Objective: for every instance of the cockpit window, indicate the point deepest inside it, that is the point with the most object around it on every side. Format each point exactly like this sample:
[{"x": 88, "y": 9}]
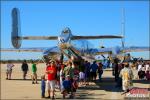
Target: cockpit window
[{"x": 66, "y": 31}]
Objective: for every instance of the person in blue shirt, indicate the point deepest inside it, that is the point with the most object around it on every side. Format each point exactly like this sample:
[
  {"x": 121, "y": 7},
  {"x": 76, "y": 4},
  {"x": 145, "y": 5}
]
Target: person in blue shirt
[
  {"x": 93, "y": 70},
  {"x": 43, "y": 86}
]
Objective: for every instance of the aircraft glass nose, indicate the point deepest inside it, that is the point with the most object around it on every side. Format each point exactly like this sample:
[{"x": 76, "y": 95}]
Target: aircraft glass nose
[
  {"x": 64, "y": 38},
  {"x": 66, "y": 31}
]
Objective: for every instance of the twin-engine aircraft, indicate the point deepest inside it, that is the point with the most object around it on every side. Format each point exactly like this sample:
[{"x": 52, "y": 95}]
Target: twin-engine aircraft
[{"x": 66, "y": 44}]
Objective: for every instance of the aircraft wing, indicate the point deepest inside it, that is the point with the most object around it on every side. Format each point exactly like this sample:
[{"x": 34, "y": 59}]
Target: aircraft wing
[
  {"x": 97, "y": 51},
  {"x": 22, "y": 50},
  {"x": 119, "y": 50},
  {"x": 136, "y": 49},
  {"x": 96, "y": 37},
  {"x": 45, "y": 50}
]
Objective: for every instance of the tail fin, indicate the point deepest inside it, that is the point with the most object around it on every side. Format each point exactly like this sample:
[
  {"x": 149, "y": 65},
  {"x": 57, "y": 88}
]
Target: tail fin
[{"x": 16, "y": 32}]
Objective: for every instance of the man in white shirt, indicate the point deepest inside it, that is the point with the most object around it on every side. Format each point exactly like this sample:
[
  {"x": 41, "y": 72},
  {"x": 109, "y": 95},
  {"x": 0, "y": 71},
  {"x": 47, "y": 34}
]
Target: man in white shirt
[{"x": 9, "y": 70}]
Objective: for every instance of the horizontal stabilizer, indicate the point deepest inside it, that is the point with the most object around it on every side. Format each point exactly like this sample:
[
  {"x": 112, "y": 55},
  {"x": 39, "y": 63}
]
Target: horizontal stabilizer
[{"x": 39, "y": 38}]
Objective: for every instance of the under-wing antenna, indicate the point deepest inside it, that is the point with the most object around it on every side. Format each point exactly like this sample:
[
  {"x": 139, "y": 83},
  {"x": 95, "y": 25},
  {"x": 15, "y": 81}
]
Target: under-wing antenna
[{"x": 123, "y": 27}]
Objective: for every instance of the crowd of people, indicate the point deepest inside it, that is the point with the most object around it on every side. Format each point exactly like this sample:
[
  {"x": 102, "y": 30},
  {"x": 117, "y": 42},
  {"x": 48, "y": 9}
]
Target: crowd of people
[
  {"x": 68, "y": 76},
  {"x": 125, "y": 72}
]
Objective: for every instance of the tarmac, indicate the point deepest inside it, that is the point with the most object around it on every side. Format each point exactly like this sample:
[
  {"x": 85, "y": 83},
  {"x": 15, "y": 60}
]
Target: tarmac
[{"x": 17, "y": 88}]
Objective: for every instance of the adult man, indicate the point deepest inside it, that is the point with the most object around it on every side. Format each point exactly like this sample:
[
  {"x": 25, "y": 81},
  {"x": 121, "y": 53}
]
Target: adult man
[
  {"x": 93, "y": 70},
  {"x": 127, "y": 76},
  {"x": 51, "y": 78},
  {"x": 24, "y": 68}
]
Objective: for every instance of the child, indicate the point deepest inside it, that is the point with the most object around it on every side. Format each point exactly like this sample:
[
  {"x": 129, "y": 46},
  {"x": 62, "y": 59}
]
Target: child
[
  {"x": 74, "y": 86},
  {"x": 67, "y": 86},
  {"x": 43, "y": 86},
  {"x": 82, "y": 78}
]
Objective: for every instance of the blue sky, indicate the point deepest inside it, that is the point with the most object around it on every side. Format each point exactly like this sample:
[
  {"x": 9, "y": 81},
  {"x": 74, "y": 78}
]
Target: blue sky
[{"x": 43, "y": 18}]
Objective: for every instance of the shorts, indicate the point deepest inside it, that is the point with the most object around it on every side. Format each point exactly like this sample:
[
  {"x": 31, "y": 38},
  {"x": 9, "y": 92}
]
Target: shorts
[
  {"x": 34, "y": 75},
  {"x": 50, "y": 85},
  {"x": 24, "y": 72},
  {"x": 67, "y": 90},
  {"x": 9, "y": 71}
]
